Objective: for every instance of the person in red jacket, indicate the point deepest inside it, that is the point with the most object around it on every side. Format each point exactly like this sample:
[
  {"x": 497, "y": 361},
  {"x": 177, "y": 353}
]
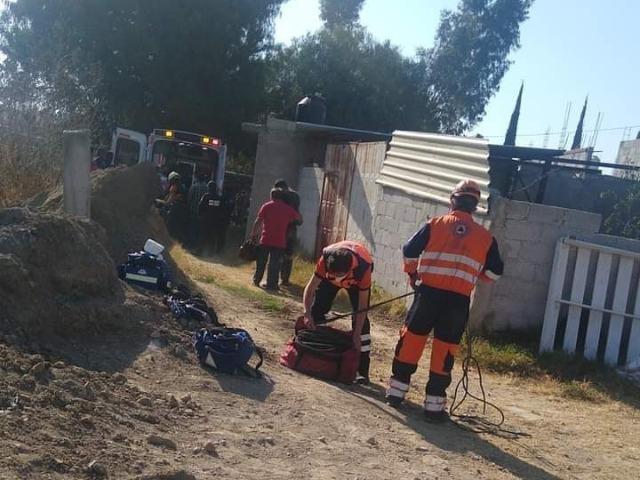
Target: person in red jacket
[
  {"x": 444, "y": 260},
  {"x": 345, "y": 265},
  {"x": 273, "y": 220}
]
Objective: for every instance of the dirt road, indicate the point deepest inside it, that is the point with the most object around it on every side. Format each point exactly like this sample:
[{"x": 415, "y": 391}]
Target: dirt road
[{"x": 287, "y": 425}]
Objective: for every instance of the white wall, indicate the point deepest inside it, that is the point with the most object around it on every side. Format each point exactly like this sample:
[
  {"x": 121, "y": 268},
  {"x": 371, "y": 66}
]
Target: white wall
[{"x": 310, "y": 190}]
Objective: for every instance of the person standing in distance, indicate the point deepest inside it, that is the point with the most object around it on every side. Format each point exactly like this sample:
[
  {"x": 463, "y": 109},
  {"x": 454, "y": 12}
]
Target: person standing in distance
[
  {"x": 271, "y": 226},
  {"x": 291, "y": 198}
]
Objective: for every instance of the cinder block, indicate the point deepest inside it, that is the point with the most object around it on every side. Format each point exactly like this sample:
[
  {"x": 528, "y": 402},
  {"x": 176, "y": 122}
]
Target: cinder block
[
  {"x": 520, "y": 270},
  {"x": 579, "y": 220},
  {"x": 537, "y": 253},
  {"x": 546, "y": 214},
  {"x": 543, "y": 274},
  {"x": 409, "y": 214},
  {"x": 514, "y": 210},
  {"x": 551, "y": 234},
  {"x": 521, "y": 230}
]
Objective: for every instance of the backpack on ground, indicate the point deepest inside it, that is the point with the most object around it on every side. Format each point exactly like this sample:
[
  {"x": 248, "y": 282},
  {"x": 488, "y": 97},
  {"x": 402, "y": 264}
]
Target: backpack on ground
[
  {"x": 191, "y": 307},
  {"x": 325, "y": 352},
  {"x": 227, "y": 350},
  {"x": 146, "y": 270}
]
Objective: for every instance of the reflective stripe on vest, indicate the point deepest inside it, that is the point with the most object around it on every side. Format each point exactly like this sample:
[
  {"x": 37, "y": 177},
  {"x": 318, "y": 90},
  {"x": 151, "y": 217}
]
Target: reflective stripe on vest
[{"x": 454, "y": 256}]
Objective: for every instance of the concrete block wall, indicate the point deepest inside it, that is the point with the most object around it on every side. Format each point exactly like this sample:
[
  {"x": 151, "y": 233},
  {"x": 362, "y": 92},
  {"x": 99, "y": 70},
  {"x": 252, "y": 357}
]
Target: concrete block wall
[
  {"x": 397, "y": 216},
  {"x": 527, "y": 234},
  {"x": 281, "y": 153},
  {"x": 310, "y": 189}
]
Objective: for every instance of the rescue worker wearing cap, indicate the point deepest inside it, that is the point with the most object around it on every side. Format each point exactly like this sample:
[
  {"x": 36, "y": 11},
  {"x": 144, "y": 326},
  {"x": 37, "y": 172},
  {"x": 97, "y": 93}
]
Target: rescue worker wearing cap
[
  {"x": 444, "y": 260},
  {"x": 345, "y": 265},
  {"x": 174, "y": 206}
]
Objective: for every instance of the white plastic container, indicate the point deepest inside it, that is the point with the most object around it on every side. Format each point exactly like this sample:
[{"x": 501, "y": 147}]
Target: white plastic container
[{"x": 152, "y": 247}]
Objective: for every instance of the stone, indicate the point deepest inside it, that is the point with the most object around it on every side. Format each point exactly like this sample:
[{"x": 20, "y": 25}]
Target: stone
[
  {"x": 372, "y": 441},
  {"x": 27, "y": 382},
  {"x": 180, "y": 352},
  {"x": 158, "y": 441},
  {"x": 119, "y": 378},
  {"x": 119, "y": 438},
  {"x": 38, "y": 369},
  {"x": 211, "y": 449},
  {"x": 322, "y": 439},
  {"x": 89, "y": 392},
  {"x": 97, "y": 469},
  {"x": 267, "y": 441},
  {"x": 422, "y": 449},
  {"x": 147, "y": 417},
  {"x": 185, "y": 398},
  {"x": 87, "y": 421},
  {"x": 60, "y": 364},
  {"x": 172, "y": 475},
  {"x": 173, "y": 402},
  {"x": 145, "y": 401}
]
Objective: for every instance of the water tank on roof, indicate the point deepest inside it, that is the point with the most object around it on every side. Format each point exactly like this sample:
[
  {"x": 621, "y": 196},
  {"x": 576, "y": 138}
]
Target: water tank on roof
[{"x": 311, "y": 109}]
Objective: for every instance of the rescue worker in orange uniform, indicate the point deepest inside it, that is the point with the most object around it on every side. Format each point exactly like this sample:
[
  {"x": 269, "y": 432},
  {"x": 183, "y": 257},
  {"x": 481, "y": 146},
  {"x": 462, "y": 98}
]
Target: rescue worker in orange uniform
[
  {"x": 444, "y": 260},
  {"x": 345, "y": 265}
]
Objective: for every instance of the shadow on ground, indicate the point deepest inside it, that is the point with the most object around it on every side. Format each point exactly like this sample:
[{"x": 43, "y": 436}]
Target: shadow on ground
[{"x": 449, "y": 436}]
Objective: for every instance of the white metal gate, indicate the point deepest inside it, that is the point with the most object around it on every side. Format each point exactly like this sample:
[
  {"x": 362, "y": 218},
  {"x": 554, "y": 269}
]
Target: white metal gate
[{"x": 593, "y": 305}]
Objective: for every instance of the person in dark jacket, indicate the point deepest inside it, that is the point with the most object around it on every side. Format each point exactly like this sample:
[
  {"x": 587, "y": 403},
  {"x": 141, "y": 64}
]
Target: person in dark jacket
[
  {"x": 214, "y": 218},
  {"x": 291, "y": 198}
]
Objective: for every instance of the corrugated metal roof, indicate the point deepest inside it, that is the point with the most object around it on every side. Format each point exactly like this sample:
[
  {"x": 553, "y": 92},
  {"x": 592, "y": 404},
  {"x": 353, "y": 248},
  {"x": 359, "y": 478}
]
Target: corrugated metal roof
[{"x": 429, "y": 165}]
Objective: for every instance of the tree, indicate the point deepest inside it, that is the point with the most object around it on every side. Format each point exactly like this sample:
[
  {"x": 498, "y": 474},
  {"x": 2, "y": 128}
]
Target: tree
[
  {"x": 366, "y": 84},
  {"x": 512, "y": 131},
  {"x": 577, "y": 138},
  {"x": 369, "y": 84},
  {"x": 623, "y": 216},
  {"x": 340, "y": 13},
  {"x": 195, "y": 65},
  {"x": 470, "y": 57}
]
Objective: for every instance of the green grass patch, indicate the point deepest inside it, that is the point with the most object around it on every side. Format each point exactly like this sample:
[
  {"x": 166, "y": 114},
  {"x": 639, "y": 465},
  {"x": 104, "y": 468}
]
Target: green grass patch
[
  {"x": 578, "y": 378},
  {"x": 263, "y": 300}
]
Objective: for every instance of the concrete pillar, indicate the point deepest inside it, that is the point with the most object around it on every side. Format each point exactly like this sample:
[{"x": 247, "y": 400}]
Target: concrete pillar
[{"x": 77, "y": 164}]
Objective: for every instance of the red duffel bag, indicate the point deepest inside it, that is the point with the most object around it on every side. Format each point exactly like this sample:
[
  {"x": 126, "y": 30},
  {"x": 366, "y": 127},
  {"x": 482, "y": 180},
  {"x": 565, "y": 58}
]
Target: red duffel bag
[{"x": 325, "y": 352}]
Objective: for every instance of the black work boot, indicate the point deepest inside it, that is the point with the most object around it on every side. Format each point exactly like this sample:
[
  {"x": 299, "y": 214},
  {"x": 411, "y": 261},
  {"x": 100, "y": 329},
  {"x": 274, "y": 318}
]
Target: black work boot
[
  {"x": 393, "y": 401},
  {"x": 436, "y": 417}
]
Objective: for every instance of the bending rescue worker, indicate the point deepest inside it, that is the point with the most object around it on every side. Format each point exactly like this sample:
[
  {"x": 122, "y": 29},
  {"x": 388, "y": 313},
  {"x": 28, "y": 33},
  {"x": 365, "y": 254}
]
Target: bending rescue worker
[
  {"x": 444, "y": 260},
  {"x": 345, "y": 265}
]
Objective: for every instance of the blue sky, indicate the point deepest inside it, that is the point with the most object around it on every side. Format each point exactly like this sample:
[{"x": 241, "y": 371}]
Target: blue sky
[{"x": 570, "y": 48}]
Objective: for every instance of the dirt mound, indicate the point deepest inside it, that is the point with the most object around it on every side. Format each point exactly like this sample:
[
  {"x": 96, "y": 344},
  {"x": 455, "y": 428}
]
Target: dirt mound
[
  {"x": 121, "y": 199},
  {"x": 85, "y": 419},
  {"x": 57, "y": 278}
]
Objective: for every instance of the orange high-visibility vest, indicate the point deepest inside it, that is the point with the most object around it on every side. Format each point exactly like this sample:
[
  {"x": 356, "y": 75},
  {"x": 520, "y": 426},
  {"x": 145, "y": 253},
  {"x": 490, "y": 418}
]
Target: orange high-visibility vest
[
  {"x": 455, "y": 253},
  {"x": 361, "y": 265}
]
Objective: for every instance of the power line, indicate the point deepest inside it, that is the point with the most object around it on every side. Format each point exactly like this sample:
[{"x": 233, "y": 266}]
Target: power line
[{"x": 630, "y": 127}]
